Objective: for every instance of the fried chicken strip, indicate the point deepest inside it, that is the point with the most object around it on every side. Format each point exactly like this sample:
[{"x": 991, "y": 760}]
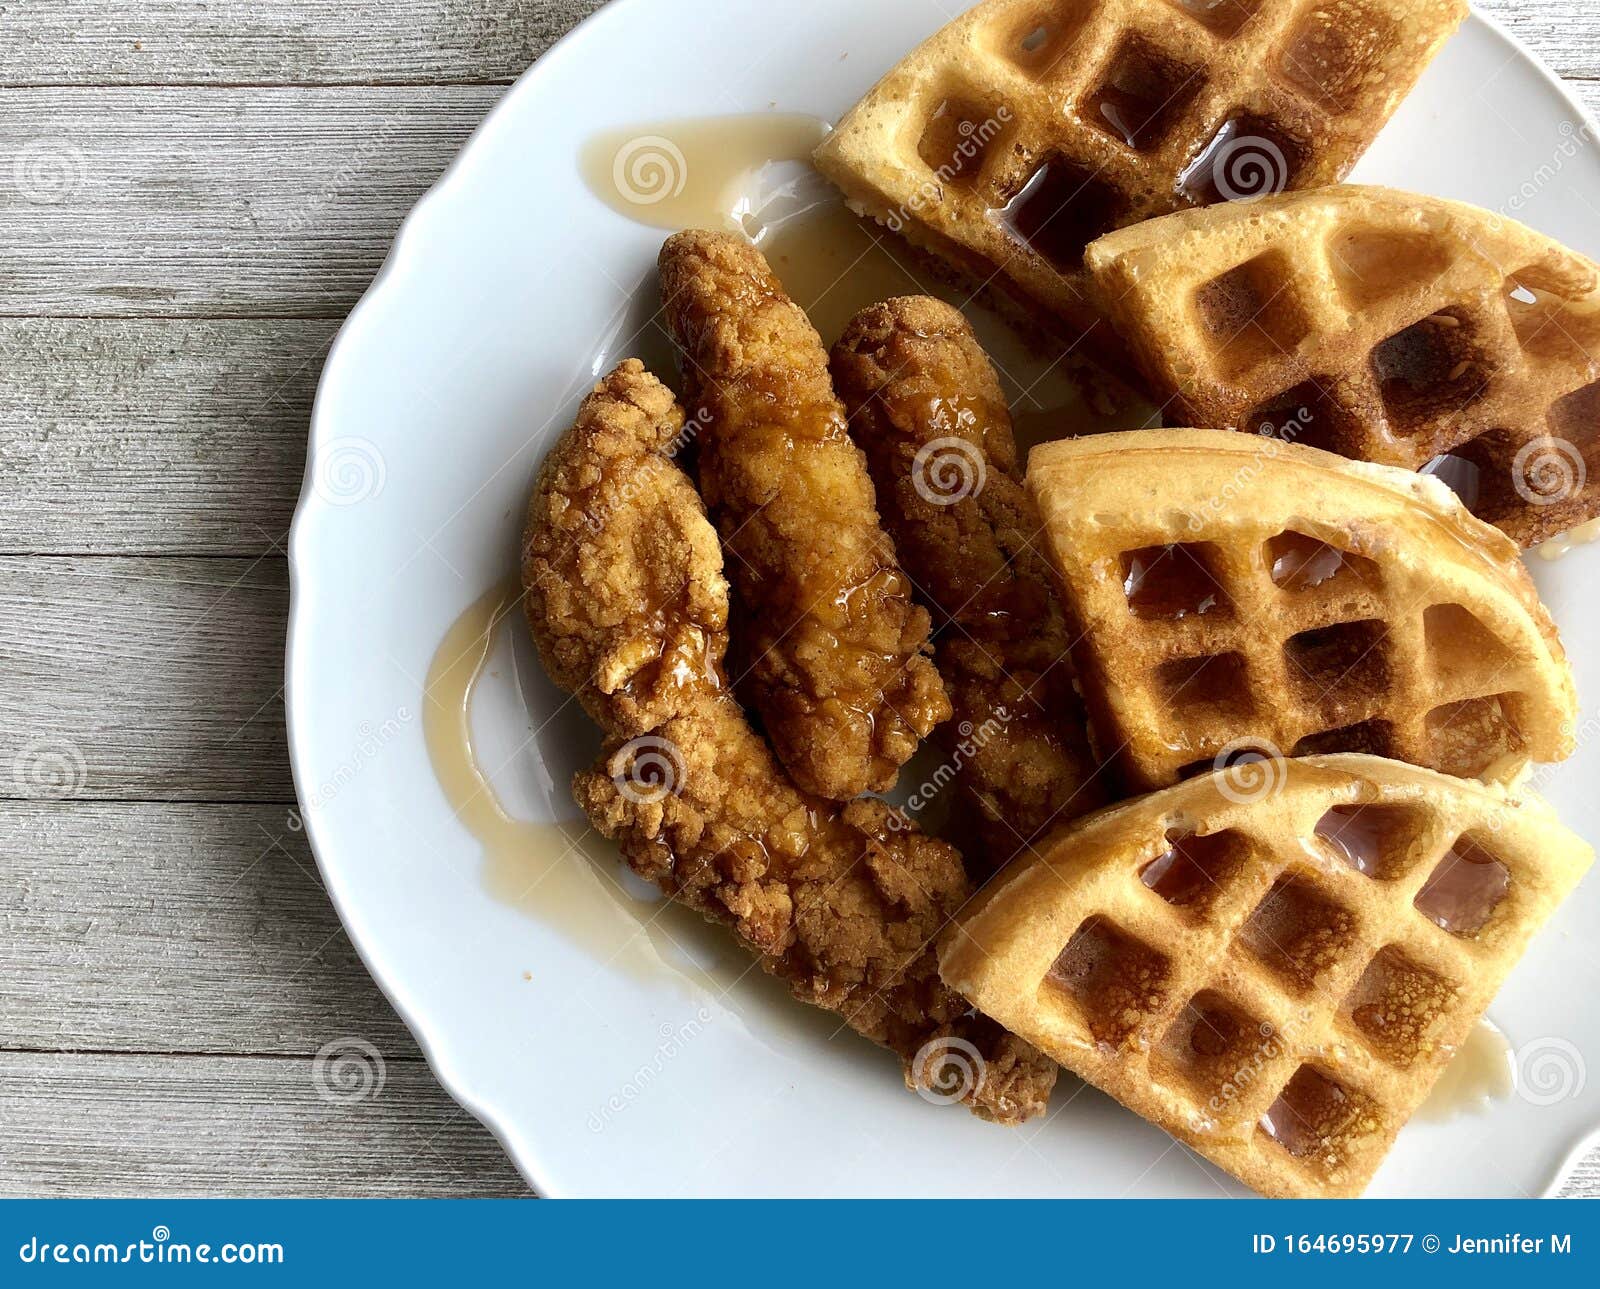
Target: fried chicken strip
[
  {"x": 829, "y": 644},
  {"x": 628, "y": 605},
  {"x": 927, "y": 408}
]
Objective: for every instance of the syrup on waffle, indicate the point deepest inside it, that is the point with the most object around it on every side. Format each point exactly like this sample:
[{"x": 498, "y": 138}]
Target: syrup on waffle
[
  {"x": 1025, "y": 129},
  {"x": 1409, "y": 329},
  {"x": 1237, "y": 593},
  {"x": 1272, "y": 963}
]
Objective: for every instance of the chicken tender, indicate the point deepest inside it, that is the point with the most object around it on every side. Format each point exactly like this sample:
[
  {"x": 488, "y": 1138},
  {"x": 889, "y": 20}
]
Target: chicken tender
[
  {"x": 927, "y": 408},
  {"x": 629, "y": 607},
  {"x": 829, "y": 643}
]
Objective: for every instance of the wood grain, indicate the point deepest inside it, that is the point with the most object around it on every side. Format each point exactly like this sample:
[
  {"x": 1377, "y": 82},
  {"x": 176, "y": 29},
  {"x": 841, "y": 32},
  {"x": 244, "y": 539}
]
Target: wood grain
[
  {"x": 286, "y": 42},
  {"x": 278, "y": 202},
  {"x": 1585, "y": 1182},
  {"x": 305, "y": 42},
  {"x": 185, "y": 202},
  {"x": 154, "y": 391},
  {"x": 1564, "y": 33},
  {"x": 154, "y": 436},
  {"x": 238, "y": 1126},
  {"x": 150, "y": 927},
  {"x": 192, "y": 196},
  {"x": 134, "y": 678}
]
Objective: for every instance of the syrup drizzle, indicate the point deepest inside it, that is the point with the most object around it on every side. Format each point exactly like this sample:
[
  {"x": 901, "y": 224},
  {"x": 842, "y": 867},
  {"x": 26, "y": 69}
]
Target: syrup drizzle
[
  {"x": 1479, "y": 1074},
  {"x": 1373, "y": 840},
  {"x": 751, "y": 175},
  {"x": 694, "y": 173},
  {"x": 1464, "y": 890},
  {"x": 835, "y": 264},
  {"x": 1303, "y": 564},
  {"x": 1559, "y": 548},
  {"x": 555, "y": 872},
  {"x": 710, "y": 173}
]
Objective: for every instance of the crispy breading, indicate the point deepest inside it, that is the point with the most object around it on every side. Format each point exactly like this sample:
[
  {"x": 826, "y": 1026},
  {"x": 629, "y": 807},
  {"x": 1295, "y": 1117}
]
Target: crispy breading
[
  {"x": 829, "y": 644},
  {"x": 631, "y": 637},
  {"x": 927, "y": 408},
  {"x": 628, "y": 605}
]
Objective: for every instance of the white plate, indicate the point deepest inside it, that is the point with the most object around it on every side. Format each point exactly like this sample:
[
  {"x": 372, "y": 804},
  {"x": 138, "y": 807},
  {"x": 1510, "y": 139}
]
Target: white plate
[{"x": 448, "y": 384}]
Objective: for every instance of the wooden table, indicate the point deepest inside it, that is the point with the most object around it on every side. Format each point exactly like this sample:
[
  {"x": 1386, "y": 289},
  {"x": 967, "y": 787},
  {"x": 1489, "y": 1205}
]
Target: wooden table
[{"x": 192, "y": 197}]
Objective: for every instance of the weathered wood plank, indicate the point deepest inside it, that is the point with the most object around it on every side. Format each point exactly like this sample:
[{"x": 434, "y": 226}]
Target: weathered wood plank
[
  {"x": 288, "y": 42},
  {"x": 160, "y": 435},
  {"x": 203, "y": 202},
  {"x": 195, "y": 202},
  {"x": 161, "y": 1126},
  {"x": 153, "y": 436},
  {"x": 1585, "y": 1182},
  {"x": 305, "y": 42},
  {"x": 138, "y": 437},
  {"x": 1564, "y": 33},
  {"x": 243, "y": 1127},
  {"x": 134, "y": 678},
  {"x": 175, "y": 928}
]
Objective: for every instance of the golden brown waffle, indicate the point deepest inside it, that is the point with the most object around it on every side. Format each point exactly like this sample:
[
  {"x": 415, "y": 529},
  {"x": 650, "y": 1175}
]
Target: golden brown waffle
[
  {"x": 1383, "y": 326},
  {"x": 1235, "y": 592},
  {"x": 1273, "y": 963},
  {"x": 1027, "y": 128}
]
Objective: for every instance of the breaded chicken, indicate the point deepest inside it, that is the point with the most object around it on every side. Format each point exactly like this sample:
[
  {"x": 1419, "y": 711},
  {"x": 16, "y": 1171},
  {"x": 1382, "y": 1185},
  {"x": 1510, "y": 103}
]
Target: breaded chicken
[
  {"x": 926, "y": 406},
  {"x": 628, "y": 605},
  {"x": 829, "y": 644}
]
